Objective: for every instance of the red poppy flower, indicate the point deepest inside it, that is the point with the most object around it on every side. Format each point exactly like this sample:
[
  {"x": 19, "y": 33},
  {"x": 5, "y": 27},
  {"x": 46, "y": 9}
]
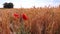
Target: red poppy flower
[
  {"x": 16, "y": 15},
  {"x": 24, "y": 16}
]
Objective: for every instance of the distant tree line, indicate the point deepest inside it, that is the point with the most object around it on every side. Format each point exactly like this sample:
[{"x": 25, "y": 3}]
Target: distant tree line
[{"x": 8, "y": 5}]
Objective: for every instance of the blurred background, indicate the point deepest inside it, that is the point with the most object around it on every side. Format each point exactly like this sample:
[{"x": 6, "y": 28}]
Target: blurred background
[{"x": 31, "y": 3}]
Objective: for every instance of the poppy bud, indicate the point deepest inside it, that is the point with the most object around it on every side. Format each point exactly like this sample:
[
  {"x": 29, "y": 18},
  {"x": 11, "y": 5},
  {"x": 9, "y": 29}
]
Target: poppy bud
[{"x": 24, "y": 16}]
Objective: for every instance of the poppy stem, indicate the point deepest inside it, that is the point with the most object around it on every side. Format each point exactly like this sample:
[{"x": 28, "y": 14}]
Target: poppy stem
[{"x": 22, "y": 30}]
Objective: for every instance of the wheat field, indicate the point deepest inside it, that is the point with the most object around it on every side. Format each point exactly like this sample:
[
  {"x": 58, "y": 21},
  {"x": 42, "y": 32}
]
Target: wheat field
[{"x": 40, "y": 20}]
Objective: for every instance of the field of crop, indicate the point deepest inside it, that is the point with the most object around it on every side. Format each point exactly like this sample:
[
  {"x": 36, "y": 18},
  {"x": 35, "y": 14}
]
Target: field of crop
[{"x": 40, "y": 20}]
